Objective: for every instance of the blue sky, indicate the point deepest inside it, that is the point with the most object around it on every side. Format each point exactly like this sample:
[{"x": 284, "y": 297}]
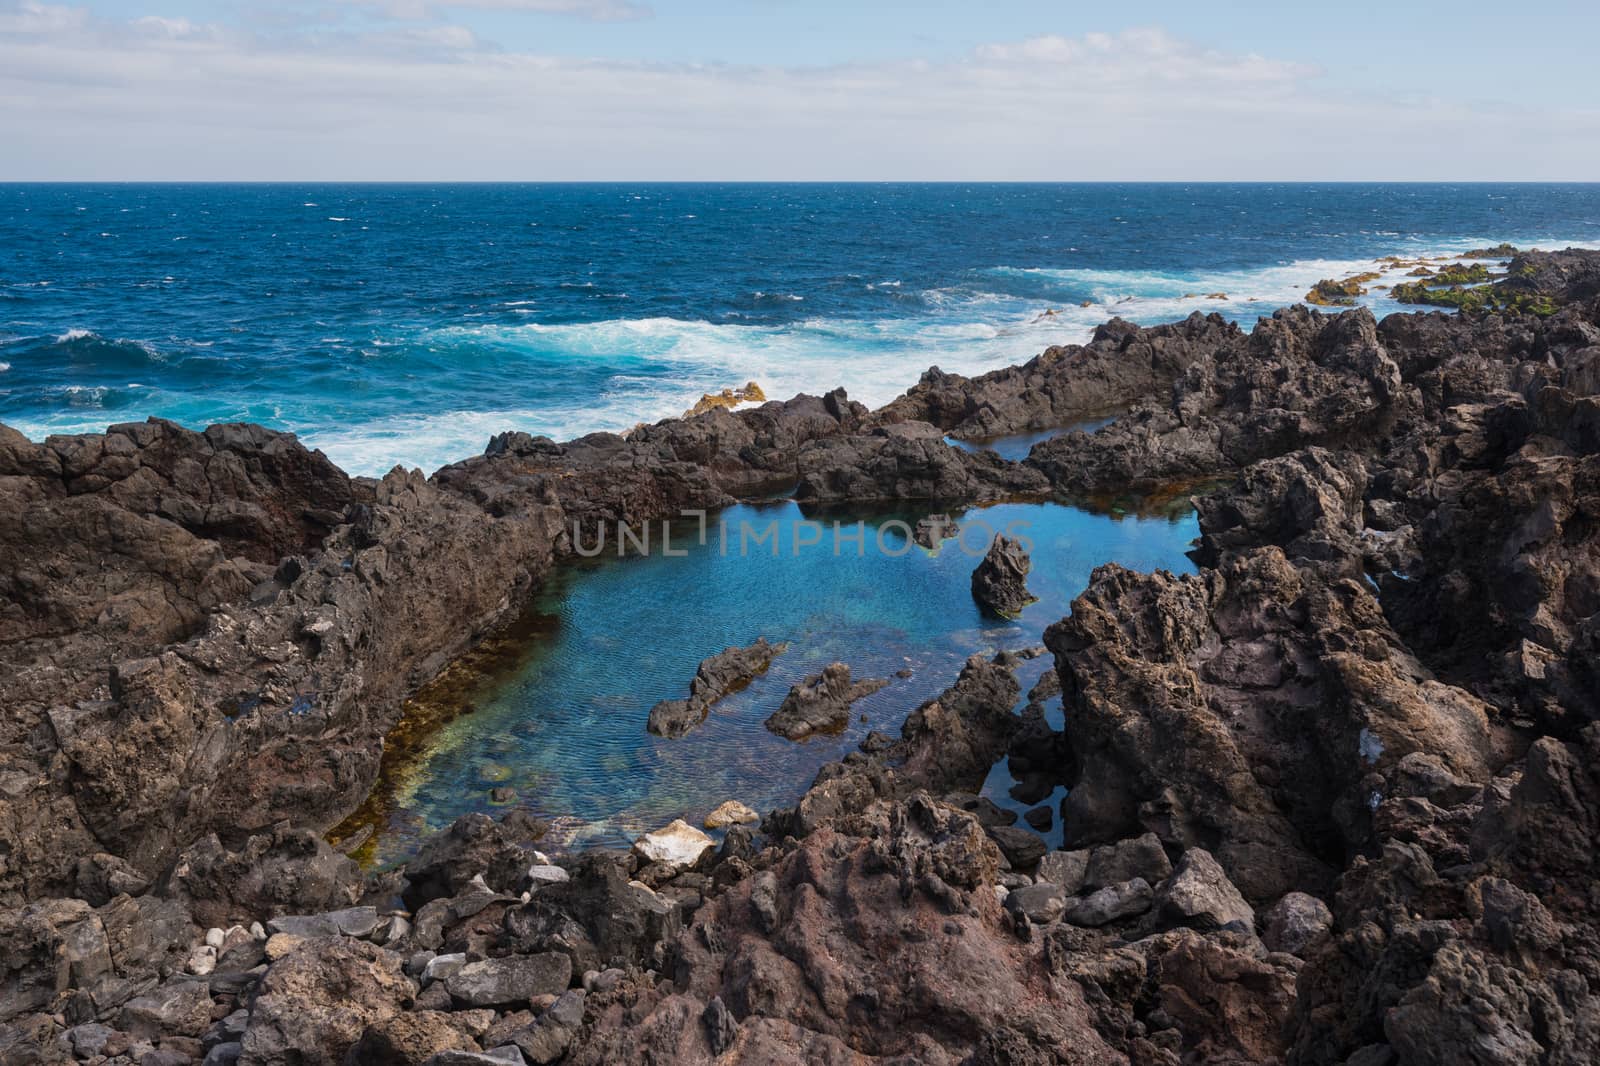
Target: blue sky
[{"x": 549, "y": 89}]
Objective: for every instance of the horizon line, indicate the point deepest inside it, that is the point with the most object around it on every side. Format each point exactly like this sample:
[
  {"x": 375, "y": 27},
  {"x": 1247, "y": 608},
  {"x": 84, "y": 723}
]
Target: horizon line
[{"x": 795, "y": 181}]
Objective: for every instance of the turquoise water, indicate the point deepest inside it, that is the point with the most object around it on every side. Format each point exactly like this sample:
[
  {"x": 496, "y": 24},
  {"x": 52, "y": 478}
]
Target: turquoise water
[
  {"x": 567, "y": 728},
  {"x": 409, "y": 323}
]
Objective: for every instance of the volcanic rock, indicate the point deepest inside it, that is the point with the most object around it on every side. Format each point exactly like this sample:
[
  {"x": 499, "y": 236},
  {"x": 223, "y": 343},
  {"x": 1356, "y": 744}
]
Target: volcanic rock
[
  {"x": 1000, "y": 583},
  {"x": 717, "y": 677},
  {"x": 820, "y": 704}
]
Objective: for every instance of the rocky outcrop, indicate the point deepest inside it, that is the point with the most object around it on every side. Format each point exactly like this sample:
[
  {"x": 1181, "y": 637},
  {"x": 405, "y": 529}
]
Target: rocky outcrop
[
  {"x": 821, "y": 703},
  {"x": 1331, "y": 798},
  {"x": 717, "y": 677},
  {"x": 1300, "y": 379},
  {"x": 908, "y": 461},
  {"x": 1121, "y": 365},
  {"x": 1000, "y": 582}
]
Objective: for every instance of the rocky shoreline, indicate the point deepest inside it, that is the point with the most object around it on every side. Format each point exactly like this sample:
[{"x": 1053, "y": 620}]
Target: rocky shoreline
[{"x": 1330, "y": 800}]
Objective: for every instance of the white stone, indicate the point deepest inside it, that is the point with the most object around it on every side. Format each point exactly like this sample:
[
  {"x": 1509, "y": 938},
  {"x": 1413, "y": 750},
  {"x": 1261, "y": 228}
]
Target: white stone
[
  {"x": 258, "y": 931},
  {"x": 202, "y": 960},
  {"x": 545, "y": 874},
  {"x": 215, "y": 937},
  {"x": 731, "y": 813},
  {"x": 678, "y": 845},
  {"x": 399, "y": 926}
]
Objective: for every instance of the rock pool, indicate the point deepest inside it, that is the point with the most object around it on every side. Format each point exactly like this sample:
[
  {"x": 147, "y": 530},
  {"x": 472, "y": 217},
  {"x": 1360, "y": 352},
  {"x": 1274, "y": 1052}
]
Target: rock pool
[{"x": 557, "y": 711}]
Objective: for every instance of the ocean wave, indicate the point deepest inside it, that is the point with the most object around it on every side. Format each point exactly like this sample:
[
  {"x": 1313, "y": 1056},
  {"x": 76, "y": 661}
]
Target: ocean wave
[
  {"x": 76, "y": 335},
  {"x": 86, "y": 395},
  {"x": 4, "y": 367}
]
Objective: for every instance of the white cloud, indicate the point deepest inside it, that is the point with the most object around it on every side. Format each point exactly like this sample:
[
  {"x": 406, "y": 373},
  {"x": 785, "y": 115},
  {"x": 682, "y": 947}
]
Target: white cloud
[
  {"x": 101, "y": 100},
  {"x": 166, "y": 27},
  {"x": 597, "y": 10},
  {"x": 30, "y": 17}
]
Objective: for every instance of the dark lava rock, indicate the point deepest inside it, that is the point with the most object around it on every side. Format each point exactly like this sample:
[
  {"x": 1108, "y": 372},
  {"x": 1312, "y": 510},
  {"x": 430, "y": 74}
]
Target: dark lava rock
[
  {"x": 472, "y": 845},
  {"x": 821, "y": 704},
  {"x": 717, "y": 677},
  {"x": 1023, "y": 848},
  {"x": 508, "y": 981},
  {"x": 1373, "y": 707},
  {"x": 1000, "y": 583}
]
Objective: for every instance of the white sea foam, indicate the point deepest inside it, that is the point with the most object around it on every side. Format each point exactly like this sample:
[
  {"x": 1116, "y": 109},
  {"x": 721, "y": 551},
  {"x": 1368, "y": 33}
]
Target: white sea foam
[
  {"x": 74, "y": 335},
  {"x": 4, "y": 367},
  {"x": 85, "y": 395},
  {"x": 646, "y": 369}
]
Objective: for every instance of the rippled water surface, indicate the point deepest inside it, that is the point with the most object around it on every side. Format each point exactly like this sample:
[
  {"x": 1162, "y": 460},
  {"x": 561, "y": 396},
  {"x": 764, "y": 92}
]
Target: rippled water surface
[{"x": 564, "y": 724}]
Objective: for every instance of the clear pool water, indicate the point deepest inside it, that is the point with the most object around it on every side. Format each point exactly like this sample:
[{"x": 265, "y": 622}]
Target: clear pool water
[{"x": 562, "y": 721}]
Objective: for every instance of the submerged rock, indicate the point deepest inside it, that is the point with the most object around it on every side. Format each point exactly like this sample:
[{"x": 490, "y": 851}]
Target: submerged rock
[
  {"x": 821, "y": 704},
  {"x": 731, "y": 813},
  {"x": 1000, "y": 583}
]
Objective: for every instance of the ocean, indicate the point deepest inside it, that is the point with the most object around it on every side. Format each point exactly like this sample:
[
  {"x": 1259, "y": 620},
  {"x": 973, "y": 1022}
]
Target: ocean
[{"x": 406, "y": 324}]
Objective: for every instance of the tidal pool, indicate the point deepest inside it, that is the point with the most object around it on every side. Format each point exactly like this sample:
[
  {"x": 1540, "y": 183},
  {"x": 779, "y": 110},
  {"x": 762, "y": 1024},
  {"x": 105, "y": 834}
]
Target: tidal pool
[
  {"x": 558, "y": 712},
  {"x": 1016, "y": 446}
]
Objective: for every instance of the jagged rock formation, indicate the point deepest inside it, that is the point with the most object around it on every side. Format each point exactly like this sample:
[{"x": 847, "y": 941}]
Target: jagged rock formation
[
  {"x": 717, "y": 677},
  {"x": 1000, "y": 582},
  {"x": 821, "y": 703},
  {"x": 1332, "y": 799}
]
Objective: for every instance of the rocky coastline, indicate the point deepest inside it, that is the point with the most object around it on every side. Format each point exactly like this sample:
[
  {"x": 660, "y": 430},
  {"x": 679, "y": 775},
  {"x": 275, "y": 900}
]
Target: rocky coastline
[{"x": 1332, "y": 799}]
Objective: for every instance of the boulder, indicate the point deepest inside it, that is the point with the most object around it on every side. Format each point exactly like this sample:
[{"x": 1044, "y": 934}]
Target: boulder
[
  {"x": 1109, "y": 904},
  {"x": 315, "y": 1002},
  {"x": 933, "y": 530},
  {"x": 1040, "y": 903},
  {"x": 541, "y": 874},
  {"x": 474, "y": 845},
  {"x": 1295, "y": 923},
  {"x": 716, "y": 678},
  {"x": 731, "y": 813},
  {"x": 1000, "y": 583},
  {"x": 1199, "y": 894},
  {"x": 678, "y": 845},
  {"x": 1065, "y": 868},
  {"x": 178, "y": 1008},
  {"x": 408, "y": 1039},
  {"x": 1022, "y": 847},
  {"x": 509, "y": 981},
  {"x": 820, "y": 704},
  {"x": 1142, "y": 857}
]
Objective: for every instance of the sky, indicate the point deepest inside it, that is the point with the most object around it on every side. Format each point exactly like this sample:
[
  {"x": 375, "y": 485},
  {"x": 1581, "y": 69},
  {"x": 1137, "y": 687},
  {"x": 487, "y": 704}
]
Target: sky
[{"x": 813, "y": 90}]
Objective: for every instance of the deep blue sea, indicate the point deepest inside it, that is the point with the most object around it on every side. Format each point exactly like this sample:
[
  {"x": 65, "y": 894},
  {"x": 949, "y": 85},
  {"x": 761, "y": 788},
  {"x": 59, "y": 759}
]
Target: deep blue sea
[{"x": 407, "y": 323}]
